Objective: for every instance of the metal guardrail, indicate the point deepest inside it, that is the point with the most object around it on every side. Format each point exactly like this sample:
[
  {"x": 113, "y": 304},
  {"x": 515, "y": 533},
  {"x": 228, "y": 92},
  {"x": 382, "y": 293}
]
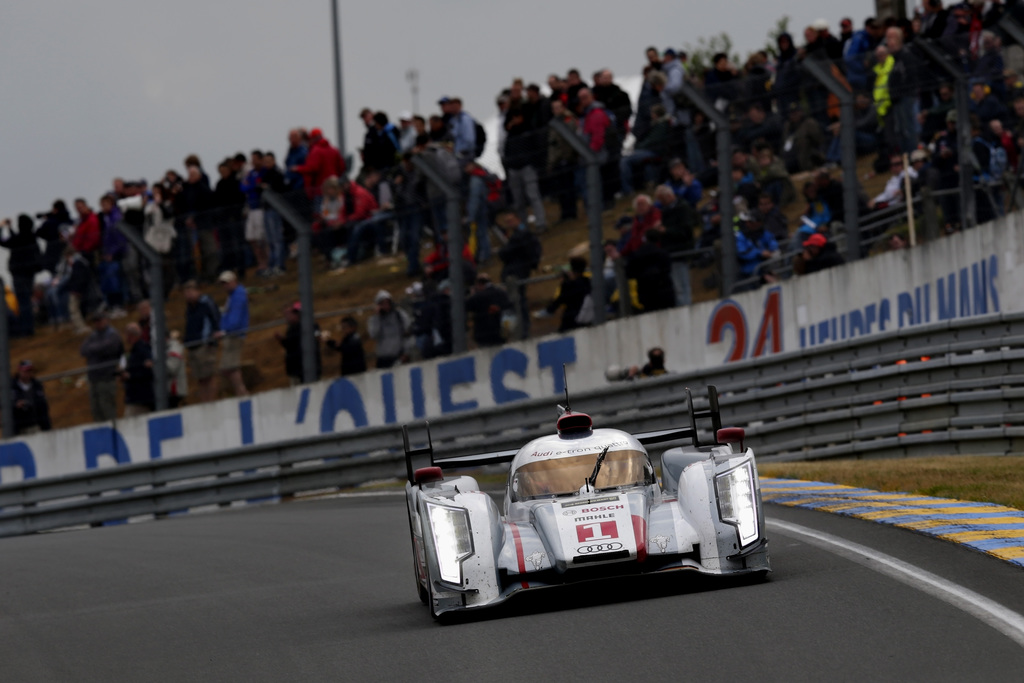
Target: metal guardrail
[{"x": 942, "y": 388}]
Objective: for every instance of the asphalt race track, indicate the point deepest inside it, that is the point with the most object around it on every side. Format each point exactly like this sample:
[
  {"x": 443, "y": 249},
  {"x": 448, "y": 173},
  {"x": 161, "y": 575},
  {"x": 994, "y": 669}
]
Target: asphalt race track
[{"x": 324, "y": 591}]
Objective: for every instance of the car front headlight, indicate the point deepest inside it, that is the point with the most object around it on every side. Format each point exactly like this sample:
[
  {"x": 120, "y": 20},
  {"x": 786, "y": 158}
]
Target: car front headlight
[
  {"x": 736, "y": 502},
  {"x": 453, "y": 541}
]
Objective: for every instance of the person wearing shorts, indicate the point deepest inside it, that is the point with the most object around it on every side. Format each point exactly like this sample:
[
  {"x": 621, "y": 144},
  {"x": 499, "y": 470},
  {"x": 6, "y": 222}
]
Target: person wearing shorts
[{"x": 233, "y": 324}]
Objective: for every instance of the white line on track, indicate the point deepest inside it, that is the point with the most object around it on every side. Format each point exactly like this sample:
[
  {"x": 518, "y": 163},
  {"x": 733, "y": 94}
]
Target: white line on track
[{"x": 1006, "y": 621}]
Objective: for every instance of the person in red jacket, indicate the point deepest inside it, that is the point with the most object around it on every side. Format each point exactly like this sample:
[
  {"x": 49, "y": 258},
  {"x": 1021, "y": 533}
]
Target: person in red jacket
[
  {"x": 322, "y": 162},
  {"x": 86, "y": 239}
]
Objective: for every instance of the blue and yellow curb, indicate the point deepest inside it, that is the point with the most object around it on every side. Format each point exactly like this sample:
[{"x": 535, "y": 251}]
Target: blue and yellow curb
[{"x": 995, "y": 530}]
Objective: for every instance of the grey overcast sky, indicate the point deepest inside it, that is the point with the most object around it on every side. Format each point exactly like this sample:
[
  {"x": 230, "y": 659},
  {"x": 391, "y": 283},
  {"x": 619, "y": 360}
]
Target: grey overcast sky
[{"x": 93, "y": 89}]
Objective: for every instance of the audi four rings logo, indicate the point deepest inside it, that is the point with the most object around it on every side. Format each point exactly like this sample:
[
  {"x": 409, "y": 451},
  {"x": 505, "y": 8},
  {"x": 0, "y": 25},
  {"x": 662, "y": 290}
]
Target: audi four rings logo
[{"x": 598, "y": 548}]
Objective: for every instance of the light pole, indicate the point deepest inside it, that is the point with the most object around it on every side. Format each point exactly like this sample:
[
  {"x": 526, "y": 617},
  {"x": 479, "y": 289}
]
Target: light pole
[
  {"x": 339, "y": 101},
  {"x": 413, "y": 77}
]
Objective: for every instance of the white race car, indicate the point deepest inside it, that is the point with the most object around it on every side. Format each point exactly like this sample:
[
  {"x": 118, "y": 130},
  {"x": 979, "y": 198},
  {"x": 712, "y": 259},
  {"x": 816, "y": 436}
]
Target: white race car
[{"x": 581, "y": 504}]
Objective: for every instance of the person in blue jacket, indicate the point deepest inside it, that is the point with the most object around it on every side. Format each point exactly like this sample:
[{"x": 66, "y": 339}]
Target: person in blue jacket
[
  {"x": 754, "y": 244},
  {"x": 234, "y": 322}
]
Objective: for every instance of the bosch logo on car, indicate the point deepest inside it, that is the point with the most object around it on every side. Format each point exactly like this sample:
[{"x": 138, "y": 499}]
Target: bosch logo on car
[
  {"x": 603, "y": 508},
  {"x": 598, "y": 548}
]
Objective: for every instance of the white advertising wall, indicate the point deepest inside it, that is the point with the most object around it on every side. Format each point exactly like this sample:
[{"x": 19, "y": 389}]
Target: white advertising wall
[{"x": 974, "y": 273}]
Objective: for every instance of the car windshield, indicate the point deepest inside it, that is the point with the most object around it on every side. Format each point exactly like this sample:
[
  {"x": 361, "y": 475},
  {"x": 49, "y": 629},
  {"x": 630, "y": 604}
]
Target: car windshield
[{"x": 561, "y": 476}]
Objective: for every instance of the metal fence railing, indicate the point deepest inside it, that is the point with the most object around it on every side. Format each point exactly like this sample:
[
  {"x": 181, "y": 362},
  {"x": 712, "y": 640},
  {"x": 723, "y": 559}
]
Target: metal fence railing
[{"x": 954, "y": 387}]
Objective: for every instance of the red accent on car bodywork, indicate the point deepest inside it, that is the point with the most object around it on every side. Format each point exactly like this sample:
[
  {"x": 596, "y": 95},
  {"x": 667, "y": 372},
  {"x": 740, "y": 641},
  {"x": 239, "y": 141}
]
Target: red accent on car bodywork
[
  {"x": 640, "y": 534},
  {"x": 425, "y": 475},
  {"x": 520, "y": 558}
]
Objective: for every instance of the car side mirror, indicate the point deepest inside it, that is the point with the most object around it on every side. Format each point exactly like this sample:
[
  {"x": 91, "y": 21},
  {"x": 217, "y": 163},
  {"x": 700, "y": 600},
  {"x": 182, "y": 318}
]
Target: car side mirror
[{"x": 731, "y": 435}]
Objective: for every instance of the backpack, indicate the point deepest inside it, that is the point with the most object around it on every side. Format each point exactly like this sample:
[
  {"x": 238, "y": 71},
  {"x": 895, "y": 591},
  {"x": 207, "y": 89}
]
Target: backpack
[
  {"x": 997, "y": 160},
  {"x": 481, "y": 139}
]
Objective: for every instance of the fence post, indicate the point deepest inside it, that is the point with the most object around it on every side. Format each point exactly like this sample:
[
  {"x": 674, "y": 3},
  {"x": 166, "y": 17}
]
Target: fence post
[
  {"x": 595, "y": 204},
  {"x": 6, "y": 397},
  {"x": 158, "y": 330},
  {"x": 455, "y": 269},
  {"x": 303, "y": 233},
  {"x": 723, "y": 137},
  {"x": 968, "y": 216},
  {"x": 848, "y": 149}
]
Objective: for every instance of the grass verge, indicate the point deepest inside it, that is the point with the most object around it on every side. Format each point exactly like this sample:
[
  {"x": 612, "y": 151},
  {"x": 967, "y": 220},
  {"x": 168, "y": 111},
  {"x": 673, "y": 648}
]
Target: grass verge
[{"x": 984, "y": 479}]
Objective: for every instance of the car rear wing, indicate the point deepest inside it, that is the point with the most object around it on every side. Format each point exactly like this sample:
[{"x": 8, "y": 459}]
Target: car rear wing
[
  {"x": 713, "y": 413},
  {"x": 475, "y": 460},
  {"x": 497, "y": 457}
]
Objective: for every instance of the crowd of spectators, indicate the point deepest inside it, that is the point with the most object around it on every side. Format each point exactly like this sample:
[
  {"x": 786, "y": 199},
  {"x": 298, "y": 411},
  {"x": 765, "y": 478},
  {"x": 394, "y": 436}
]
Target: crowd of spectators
[{"x": 658, "y": 150}]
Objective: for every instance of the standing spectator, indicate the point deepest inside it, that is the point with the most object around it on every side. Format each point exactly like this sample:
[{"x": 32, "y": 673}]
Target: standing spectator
[
  {"x": 233, "y": 324},
  {"x": 322, "y": 162},
  {"x": 485, "y": 191},
  {"x": 298, "y": 150},
  {"x": 462, "y": 128},
  {"x": 562, "y": 162},
  {"x": 230, "y": 203},
  {"x": 193, "y": 226},
  {"x": 805, "y": 141},
  {"x": 651, "y": 267},
  {"x": 202, "y": 322},
  {"x": 53, "y": 231},
  {"x": 407, "y": 132},
  {"x": 87, "y": 234},
  {"x": 139, "y": 397},
  {"x": 678, "y": 222},
  {"x": 389, "y": 327},
  {"x": 382, "y": 144},
  {"x": 486, "y": 304},
  {"x": 856, "y": 53},
  {"x": 112, "y": 252},
  {"x": 76, "y": 281},
  {"x": 773, "y": 219},
  {"x": 524, "y": 154},
  {"x": 272, "y": 179},
  {"x": 435, "y": 331},
  {"x": 255, "y": 223},
  {"x": 537, "y": 108},
  {"x": 614, "y": 99},
  {"x": 24, "y": 263},
  {"x": 31, "y": 411},
  {"x": 901, "y": 126},
  {"x": 101, "y": 351},
  {"x": 574, "y": 294},
  {"x": 291, "y": 340},
  {"x": 177, "y": 370},
  {"x": 520, "y": 256},
  {"x": 410, "y": 206},
  {"x": 159, "y": 233},
  {"x": 353, "y": 357}
]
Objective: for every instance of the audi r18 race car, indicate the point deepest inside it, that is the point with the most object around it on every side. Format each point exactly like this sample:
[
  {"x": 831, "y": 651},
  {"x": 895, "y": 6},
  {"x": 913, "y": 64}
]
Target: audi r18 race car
[{"x": 585, "y": 503}]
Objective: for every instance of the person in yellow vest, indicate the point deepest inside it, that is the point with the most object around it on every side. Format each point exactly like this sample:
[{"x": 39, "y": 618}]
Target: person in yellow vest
[{"x": 883, "y": 67}]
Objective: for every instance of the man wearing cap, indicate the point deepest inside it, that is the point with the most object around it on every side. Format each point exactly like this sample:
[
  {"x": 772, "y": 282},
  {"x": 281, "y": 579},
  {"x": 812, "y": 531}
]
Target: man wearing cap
[
  {"x": 819, "y": 254},
  {"x": 233, "y": 324},
  {"x": 408, "y": 132},
  {"x": 101, "y": 350},
  {"x": 139, "y": 397},
  {"x": 202, "y": 321},
  {"x": 31, "y": 411},
  {"x": 291, "y": 340},
  {"x": 389, "y": 327}
]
